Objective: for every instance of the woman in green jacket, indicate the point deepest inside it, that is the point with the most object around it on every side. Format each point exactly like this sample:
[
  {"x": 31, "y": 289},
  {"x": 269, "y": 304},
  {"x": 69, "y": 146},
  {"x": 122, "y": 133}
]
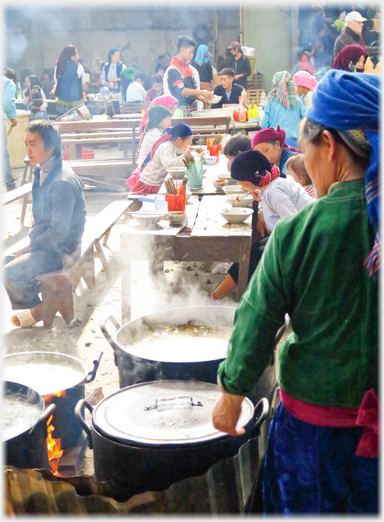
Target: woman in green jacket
[{"x": 320, "y": 266}]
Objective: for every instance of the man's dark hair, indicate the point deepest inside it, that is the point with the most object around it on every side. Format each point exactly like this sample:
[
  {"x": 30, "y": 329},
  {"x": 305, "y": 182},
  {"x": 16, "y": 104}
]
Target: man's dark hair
[
  {"x": 185, "y": 41},
  {"x": 238, "y": 143},
  {"x": 227, "y": 72},
  {"x": 10, "y": 73},
  {"x": 157, "y": 78},
  {"x": 49, "y": 133}
]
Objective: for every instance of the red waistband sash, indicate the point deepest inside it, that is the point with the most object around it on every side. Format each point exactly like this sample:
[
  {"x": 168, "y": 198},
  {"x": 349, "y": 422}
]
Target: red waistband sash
[{"x": 366, "y": 415}]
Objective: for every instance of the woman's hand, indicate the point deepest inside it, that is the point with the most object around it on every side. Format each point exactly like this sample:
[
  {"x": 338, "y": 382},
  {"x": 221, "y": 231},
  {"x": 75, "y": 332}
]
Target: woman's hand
[
  {"x": 226, "y": 414},
  {"x": 115, "y": 80},
  {"x": 256, "y": 195},
  {"x": 53, "y": 90}
]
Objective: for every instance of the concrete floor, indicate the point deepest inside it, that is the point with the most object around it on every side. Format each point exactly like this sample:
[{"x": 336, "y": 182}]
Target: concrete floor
[{"x": 178, "y": 286}]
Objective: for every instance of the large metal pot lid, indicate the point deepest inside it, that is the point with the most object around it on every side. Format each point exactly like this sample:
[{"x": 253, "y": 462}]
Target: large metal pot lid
[
  {"x": 179, "y": 335},
  {"x": 163, "y": 412},
  {"x": 45, "y": 372},
  {"x": 22, "y": 408}
]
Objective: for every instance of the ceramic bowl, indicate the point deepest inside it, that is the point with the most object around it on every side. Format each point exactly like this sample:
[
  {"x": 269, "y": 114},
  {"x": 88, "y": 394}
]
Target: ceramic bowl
[
  {"x": 236, "y": 215},
  {"x": 147, "y": 218},
  {"x": 215, "y": 99},
  {"x": 177, "y": 172},
  {"x": 234, "y": 190},
  {"x": 219, "y": 183},
  {"x": 210, "y": 160},
  {"x": 188, "y": 194},
  {"x": 176, "y": 217},
  {"x": 227, "y": 177},
  {"x": 246, "y": 202}
]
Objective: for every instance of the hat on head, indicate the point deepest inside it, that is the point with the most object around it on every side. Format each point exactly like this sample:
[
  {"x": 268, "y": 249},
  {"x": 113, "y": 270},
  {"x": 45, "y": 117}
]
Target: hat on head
[
  {"x": 128, "y": 73},
  {"x": 305, "y": 79},
  {"x": 254, "y": 167},
  {"x": 354, "y": 15},
  {"x": 156, "y": 116},
  {"x": 235, "y": 45},
  {"x": 267, "y": 135}
]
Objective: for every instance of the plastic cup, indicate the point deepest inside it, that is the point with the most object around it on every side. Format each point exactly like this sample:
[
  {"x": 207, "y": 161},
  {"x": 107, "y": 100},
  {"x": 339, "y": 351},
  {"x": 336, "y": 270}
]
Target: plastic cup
[
  {"x": 195, "y": 175},
  {"x": 176, "y": 202}
]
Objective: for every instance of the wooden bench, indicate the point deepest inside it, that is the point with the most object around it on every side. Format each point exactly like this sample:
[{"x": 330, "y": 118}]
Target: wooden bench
[
  {"x": 210, "y": 123},
  {"x": 57, "y": 287},
  {"x": 22, "y": 192}
]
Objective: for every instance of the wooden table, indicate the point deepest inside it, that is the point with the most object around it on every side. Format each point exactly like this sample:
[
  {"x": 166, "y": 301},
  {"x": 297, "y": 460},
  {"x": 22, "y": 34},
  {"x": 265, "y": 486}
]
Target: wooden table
[{"x": 206, "y": 236}]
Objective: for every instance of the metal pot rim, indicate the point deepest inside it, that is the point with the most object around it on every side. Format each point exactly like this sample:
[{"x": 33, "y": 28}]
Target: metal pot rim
[
  {"x": 133, "y": 322},
  {"x": 75, "y": 361}
]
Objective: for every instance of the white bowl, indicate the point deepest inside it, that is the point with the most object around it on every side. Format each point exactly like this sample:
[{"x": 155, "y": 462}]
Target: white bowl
[
  {"x": 219, "y": 185},
  {"x": 176, "y": 217},
  {"x": 246, "y": 202},
  {"x": 227, "y": 177},
  {"x": 148, "y": 218},
  {"x": 215, "y": 99},
  {"x": 210, "y": 160},
  {"x": 236, "y": 215},
  {"x": 234, "y": 190},
  {"x": 177, "y": 172}
]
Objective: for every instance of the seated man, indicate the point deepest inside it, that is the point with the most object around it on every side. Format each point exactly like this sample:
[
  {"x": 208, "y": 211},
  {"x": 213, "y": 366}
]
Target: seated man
[
  {"x": 58, "y": 223},
  {"x": 230, "y": 92}
]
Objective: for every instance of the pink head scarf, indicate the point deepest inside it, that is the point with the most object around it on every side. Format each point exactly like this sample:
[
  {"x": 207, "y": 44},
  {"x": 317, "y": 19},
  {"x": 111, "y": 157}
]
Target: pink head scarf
[
  {"x": 165, "y": 101},
  {"x": 305, "y": 79}
]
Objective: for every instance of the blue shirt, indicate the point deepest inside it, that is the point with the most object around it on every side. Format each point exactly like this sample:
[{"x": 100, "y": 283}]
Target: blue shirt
[
  {"x": 9, "y": 106},
  {"x": 276, "y": 114}
]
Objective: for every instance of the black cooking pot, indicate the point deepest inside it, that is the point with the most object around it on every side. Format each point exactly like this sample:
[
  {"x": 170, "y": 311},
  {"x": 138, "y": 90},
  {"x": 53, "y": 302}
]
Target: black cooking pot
[
  {"x": 25, "y": 427},
  {"x": 49, "y": 373},
  {"x": 150, "y": 435},
  {"x": 135, "y": 368}
]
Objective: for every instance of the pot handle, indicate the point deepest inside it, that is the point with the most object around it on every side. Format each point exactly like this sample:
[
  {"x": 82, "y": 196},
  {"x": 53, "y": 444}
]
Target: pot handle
[
  {"x": 260, "y": 416},
  {"x": 108, "y": 336},
  {"x": 79, "y": 412},
  {"x": 43, "y": 418},
  {"x": 96, "y": 363}
]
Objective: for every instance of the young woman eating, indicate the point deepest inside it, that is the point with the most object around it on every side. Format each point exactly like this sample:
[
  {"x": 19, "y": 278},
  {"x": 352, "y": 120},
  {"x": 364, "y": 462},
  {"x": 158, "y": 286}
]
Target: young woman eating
[
  {"x": 162, "y": 157},
  {"x": 159, "y": 120},
  {"x": 167, "y": 101}
]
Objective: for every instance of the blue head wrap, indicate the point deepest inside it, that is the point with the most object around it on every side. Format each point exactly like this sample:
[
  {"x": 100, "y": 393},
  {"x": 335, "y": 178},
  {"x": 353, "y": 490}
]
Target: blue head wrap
[
  {"x": 348, "y": 101},
  {"x": 111, "y": 52},
  {"x": 201, "y": 51}
]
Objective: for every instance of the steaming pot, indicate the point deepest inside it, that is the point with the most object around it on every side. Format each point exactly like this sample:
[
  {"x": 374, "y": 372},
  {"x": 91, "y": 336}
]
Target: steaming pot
[
  {"x": 25, "y": 427},
  {"x": 148, "y": 436},
  {"x": 134, "y": 369}
]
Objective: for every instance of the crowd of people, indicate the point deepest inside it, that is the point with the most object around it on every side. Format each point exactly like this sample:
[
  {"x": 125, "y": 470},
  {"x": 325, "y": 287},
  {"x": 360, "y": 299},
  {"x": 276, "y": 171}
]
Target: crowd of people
[{"x": 313, "y": 172}]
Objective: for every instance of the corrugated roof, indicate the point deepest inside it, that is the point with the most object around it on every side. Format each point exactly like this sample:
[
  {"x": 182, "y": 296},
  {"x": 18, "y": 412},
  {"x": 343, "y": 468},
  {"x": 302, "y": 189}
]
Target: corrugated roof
[{"x": 223, "y": 489}]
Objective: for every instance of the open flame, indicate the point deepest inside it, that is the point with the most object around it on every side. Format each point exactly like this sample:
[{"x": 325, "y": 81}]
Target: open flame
[{"x": 53, "y": 445}]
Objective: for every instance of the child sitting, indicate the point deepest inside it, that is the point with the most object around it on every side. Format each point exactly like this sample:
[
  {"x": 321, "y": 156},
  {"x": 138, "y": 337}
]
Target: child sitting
[
  {"x": 163, "y": 156},
  {"x": 280, "y": 197},
  {"x": 296, "y": 168},
  {"x": 237, "y": 143}
]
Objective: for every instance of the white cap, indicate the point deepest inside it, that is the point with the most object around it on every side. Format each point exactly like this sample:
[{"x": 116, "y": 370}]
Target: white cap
[{"x": 354, "y": 15}]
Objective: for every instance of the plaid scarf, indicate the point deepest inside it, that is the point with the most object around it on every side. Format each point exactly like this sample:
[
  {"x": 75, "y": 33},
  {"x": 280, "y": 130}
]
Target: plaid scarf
[{"x": 284, "y": 90}]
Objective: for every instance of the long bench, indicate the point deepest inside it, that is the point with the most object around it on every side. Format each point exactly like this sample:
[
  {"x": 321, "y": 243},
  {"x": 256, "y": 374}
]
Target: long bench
[
  {"x": 13, "y": 195},
  {"x": 57, "y": 287}
]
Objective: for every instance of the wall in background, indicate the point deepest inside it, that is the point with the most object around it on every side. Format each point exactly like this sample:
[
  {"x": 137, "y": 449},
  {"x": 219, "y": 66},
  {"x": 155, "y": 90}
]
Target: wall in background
[
  {"x": 268, "y": 30},
  {"x": 35, "y": 36}
]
